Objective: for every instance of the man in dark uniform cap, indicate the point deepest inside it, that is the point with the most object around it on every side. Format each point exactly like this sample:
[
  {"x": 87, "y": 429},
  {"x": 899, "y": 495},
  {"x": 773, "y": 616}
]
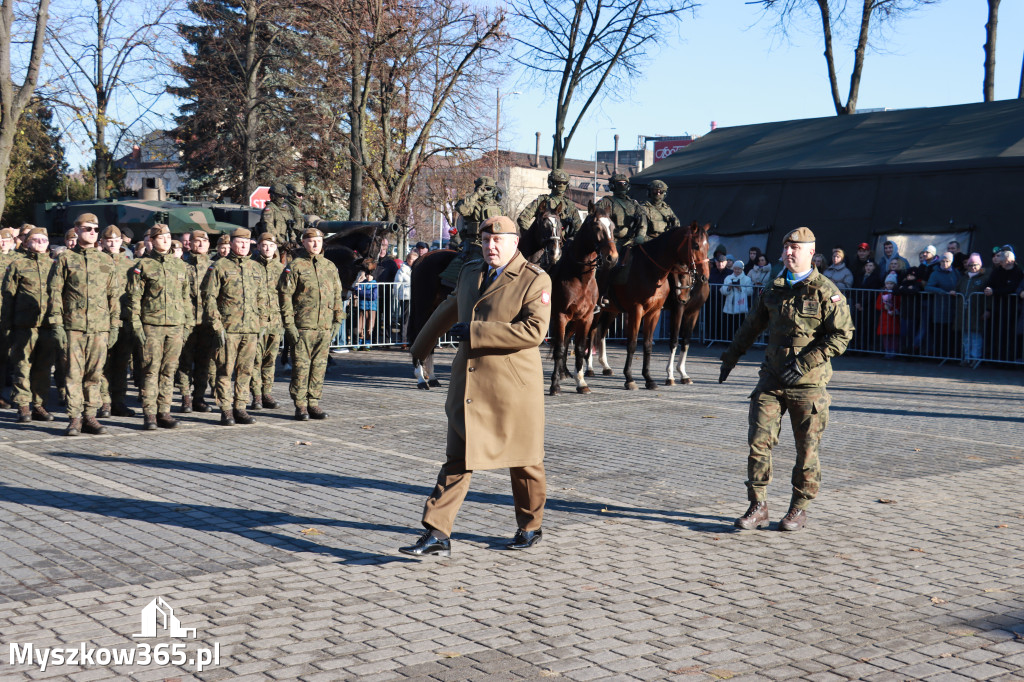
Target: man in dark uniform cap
[{"x": 808, "y": 323}]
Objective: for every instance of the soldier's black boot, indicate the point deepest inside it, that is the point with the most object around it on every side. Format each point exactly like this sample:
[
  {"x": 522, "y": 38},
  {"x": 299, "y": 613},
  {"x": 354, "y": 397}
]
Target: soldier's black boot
[
  {"x": 756, "y": 517},
  {"x": 316, "y": 413},
  {"x": 227, "y": 418},
  {"x": 165, "y": 421},
  {"x": 241, "y": 417},
  {"x": 92, "y": 427},
  {"x": 24, "y": 414},
  {"x": 74, "y": 427},
  {"x": 149, "y": 422},
  {"x": 795, "y": 519},
  {"x": 301, "y": 414},
  {"x": 40, "y": 414},
  {"x": 269, "y": 403},
  {"x": 104, "y": 410},
  {"x": 254, "y": 404},
  {"x": 186, "y": 404},
  {"x": 200, "y": 405},
  {"x": 121, "y": 410}
]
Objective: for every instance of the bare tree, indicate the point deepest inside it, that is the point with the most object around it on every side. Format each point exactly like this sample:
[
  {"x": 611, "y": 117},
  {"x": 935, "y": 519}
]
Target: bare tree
[
  {"x": 989, "y": 84},
  {"x": 836, "y": 21},
  {"x": 107, "y": 70},
  {"x": 14, "y": 98},
  {"x": 589, "y": 49}
]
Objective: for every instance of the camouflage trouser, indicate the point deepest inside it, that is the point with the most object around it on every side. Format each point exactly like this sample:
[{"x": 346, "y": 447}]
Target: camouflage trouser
[
  {"x": 160, "y": 356},
  {"x": 808, "y": 413},
  {"x": 86, "y": 355},
  {"x": 235, "y": 359},
  {"x": 198, "y": 350},
  {"x": 311, "y": 351},
  {"x": 114, "y": 385},
  {"x": 32, "y": 354},
  {"x": 263, "y": 370}
]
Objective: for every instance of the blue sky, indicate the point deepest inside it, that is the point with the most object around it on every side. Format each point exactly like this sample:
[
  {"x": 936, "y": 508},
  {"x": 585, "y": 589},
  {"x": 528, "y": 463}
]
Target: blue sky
[{"x": 727, "y": 66}]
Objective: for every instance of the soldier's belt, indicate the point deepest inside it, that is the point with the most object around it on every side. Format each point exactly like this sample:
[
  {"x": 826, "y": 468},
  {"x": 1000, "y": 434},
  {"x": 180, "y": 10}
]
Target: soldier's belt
[{"x": 789, "y": 341}]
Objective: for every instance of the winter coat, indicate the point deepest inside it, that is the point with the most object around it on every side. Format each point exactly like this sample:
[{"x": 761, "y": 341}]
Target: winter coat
[
  {"x": 888, "y": 325},
  {"x": 970, "y": 307},
  {"x": 403, "y": 283},
  {"x": 495, "y": 402},
  {"x": 737, "y": 290},
  {"x": 760, "y": 275},
  {"x": 883, "y": 262},
  {"x": 840, "y": 275},
  {"x": 939, "y": 285}
]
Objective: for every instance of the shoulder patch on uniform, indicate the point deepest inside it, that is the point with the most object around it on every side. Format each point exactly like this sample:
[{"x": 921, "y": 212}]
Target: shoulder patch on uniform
[
  {"x": 288, "y": 269},
  {"x": 536, "y": 268},
  {"x": 545, "y": 297},
  {"x": 837, "y": 298},
  {"x": 137, "y": 271}
]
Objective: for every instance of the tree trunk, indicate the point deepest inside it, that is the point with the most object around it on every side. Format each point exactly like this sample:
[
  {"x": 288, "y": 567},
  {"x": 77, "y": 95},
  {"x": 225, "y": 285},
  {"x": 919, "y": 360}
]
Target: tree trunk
[
  {"x": 355, "y": 196},
  {"x": 989, "y": 84},
  {"x": 251, "y": 123},
  {"x": 100, "y": 145}
]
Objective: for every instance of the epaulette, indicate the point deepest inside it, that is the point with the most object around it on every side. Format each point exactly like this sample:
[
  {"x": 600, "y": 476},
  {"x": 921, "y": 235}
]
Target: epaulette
[{"x": 536, "y": 268}]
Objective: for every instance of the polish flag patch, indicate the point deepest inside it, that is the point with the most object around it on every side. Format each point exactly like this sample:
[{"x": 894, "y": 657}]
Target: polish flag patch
[
  {"x": 545, "y": 297},
  {"x": 837, "y": 298}
]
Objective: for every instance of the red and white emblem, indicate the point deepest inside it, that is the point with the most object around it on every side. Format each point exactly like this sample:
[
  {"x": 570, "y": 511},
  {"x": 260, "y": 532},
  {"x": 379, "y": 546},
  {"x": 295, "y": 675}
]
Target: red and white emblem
[{"x": 545, "y": 297}]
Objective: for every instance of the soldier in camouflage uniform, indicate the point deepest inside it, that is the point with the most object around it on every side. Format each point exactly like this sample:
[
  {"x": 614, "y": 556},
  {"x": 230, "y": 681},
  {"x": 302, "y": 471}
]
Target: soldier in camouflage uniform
[
  {"x": 200, "y": 343},
  {"x": 233, "y": 299},
  {"x": 656, "y": 215},
  {"x": 808, "y": 323},
  {"x": 297, "y": 221},
  {"x": 558, "y": 182},
  {"x": 23, "y": 316},
  {"x": 276, "y": 215},
  {"x": 474, "y": 209},
  {"x": 273, "y": 327},
  {"x": 114, "y": 386},
  {"x": 623, "y": 210},
  {"x": 160, "y": 309},
  {"x": 85, "y": 312},
  {"x": 223, "y": 248},
  {"x": 7, "y": 255},
  {"x": 310, "y": 292}
]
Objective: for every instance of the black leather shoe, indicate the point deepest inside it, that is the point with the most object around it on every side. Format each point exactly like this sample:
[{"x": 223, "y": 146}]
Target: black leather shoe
[
  {"x": 200, "y": 405},
  {"x": 524, "y": 539},
  {"x": 755, "y": 517},
  {"x": 428, "y": 545},
  {"x": 122, "y": 410}
]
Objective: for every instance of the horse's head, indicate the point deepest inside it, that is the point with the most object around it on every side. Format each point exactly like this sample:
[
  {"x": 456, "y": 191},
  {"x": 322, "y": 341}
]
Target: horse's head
[
  {"x": 545, "y": 238},
  {"x": 604, "y": 229},
  {"x": 692, "y": 251}
]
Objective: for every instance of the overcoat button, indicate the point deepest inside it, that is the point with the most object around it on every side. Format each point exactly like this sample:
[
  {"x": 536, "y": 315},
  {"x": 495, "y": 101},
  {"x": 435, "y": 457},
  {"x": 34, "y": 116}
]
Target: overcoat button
[
  {"x": 469, "y": 400},
  {"x": 472, "y": 369}
]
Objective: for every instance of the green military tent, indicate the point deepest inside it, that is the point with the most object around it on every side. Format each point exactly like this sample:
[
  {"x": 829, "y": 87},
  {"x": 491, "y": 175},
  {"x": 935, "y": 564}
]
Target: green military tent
[{"x": 916, "y": 176}]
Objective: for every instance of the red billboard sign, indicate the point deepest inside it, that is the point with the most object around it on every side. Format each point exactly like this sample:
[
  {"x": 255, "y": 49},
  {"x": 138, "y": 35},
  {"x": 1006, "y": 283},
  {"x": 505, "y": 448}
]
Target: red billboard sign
[{"x": 666, "y": 148}]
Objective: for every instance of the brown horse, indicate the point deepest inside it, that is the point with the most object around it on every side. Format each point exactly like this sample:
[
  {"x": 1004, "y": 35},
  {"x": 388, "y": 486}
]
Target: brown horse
[
  {"x": 642, "y": 294},
  {"x": 685, "y": 311},
  {"x": 542, "y": 243},
  {"x": 574, "y": 294}
]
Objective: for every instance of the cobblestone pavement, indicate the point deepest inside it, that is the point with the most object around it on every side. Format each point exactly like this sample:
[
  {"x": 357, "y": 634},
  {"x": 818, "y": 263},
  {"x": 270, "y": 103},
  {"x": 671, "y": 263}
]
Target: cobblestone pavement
[{"x": 277, "y": 542}]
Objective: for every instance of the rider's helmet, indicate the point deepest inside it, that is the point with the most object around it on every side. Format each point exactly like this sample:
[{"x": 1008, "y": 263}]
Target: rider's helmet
[
  {"x": 558, "y": 177},
  {"x": 619, "y": 183},
  {"x": 657, "y": 190}
]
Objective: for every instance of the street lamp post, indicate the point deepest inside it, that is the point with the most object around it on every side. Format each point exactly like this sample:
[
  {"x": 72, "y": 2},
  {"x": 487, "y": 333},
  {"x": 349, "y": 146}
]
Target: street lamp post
[
  {"x": 497, "y": 117},
  {"x": 599, "y": 131}
]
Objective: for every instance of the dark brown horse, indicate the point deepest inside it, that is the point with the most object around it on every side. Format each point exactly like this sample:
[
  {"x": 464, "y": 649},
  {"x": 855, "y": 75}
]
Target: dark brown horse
[
  {"x": 641, "y": 293},
  {"x": 542, "y": 243},
  {"x": 686, "y": 310},
  {"x": 574, "y": 294}
]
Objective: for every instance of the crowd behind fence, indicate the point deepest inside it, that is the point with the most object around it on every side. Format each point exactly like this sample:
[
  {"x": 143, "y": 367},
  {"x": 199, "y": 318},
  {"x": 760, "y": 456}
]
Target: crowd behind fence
[{"x": 943, "y": 327}]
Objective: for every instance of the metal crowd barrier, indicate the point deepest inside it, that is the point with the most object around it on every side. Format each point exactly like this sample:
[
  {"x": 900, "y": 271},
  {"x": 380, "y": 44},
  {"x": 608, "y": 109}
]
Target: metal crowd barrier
[{"x": 941, "y": 327}]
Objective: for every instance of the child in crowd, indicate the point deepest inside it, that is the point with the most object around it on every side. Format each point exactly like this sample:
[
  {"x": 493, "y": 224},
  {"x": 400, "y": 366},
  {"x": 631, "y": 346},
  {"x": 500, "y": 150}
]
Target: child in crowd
[{"x": 888, "y": 306}]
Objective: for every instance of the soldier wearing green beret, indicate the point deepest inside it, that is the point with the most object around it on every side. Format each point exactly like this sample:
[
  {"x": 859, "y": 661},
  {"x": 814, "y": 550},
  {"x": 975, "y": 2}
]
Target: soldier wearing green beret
[
  {"x": 114, "y": 386},
  {"x": 276, "y": 215},
  {"x": 233, "y": 300},
  {"x": 558, "y": 182},
  {"x": 312, "y": 311},
  {"x": 84, "y": 298},
  {"x": 160, "y": 309},
  {"x": 273, "y": 327},
  {"x": 23, "y": 319},
  {"x": 808, "y": 323}
]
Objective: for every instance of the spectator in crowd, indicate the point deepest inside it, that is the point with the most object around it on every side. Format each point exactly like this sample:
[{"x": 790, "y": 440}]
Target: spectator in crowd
[
  {"x": 366, "y": 294},
  {"x": 864, "y": 256},
  {"x": 403, "y": 291},
  {"x": 862, "y": 301},
  {"x": 892, "y": 252},
  {"x": 909, "y": 290},
  {"x": 941, "y": 307},
  {"x": 929, "y": 258},
  {"x": 186, "y": 242},
  {"x": 1019, "y": 347},
  {"x": 818, "y": 261},
  {"x": 126, "y": 242},
  {"x": 736, "y": 290},
  {"x": 719, "y": 271},
  {"x": 840, "y": 275},
  {"x": 959, "y": 257},
  {"x": 761, "y": 274},
  {"x": 1003, "y": 282},
  {"x": 422, "y": 249},
  {"x": 898, "y": 266},
  {"x": 971, "y": 309},
  {"x": 752, "y": 257},
  {"x": 887, "y": 304}
]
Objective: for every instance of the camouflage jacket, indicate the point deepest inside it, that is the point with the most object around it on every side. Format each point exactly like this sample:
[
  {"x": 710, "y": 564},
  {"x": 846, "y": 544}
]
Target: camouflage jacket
[
  {"x": 295, "y": 221},
  {"x": 625, "y": 213},
  {"x": 233, "y": 295},
  {"x": 809, "y": 321},
  {"x": 159, "y": 290},
  {"x": 123, "y": 264},
  {"x": 271, "y": 271},
  {"x": 24, "y": 291},
  {"x": 83, "y": 291},
  {"x": 310, "y": 292},
  {"x": 275, "y": 220},
  {"x": 197, "y": 266},
  {"x": 563, "y": 205},
  {"x": 656, "y": 218},
  {"x": 474, "y": 210}
]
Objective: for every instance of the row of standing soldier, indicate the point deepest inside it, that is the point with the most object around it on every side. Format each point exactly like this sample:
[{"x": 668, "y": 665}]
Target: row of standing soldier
[{"x": 90, "y": 311}]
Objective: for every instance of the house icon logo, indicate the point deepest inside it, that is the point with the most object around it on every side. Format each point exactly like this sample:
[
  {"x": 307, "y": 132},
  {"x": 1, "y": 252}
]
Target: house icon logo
[{"x": 158, "y": 618}]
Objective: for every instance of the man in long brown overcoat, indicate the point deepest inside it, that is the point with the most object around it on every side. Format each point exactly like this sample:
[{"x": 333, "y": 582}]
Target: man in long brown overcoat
[{"x": 495, "y": 402}]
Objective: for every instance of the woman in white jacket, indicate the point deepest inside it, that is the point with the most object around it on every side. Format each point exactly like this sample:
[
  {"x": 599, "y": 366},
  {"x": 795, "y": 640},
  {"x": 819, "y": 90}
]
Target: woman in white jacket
[
  {"x": 403, "y": 290},
  {"x": 737, "y": 289}
]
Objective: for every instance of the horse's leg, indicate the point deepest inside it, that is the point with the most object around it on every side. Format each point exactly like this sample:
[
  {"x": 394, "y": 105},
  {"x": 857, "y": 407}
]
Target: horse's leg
[
  {"x": 582, "y": 341},
  {"x": 567, "y": 331},
  {"x": 421, "y": 375},
  {"x": 689, "y": 322},
  {"x": 633, "y": 320},
  {"x": 674, "y": 321},
  {"x": 650, "y": 320},
  {"x": 602, "y": 350},
  {"x": 557, "y": 351},
  {"x": 430, "y": 371}
]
